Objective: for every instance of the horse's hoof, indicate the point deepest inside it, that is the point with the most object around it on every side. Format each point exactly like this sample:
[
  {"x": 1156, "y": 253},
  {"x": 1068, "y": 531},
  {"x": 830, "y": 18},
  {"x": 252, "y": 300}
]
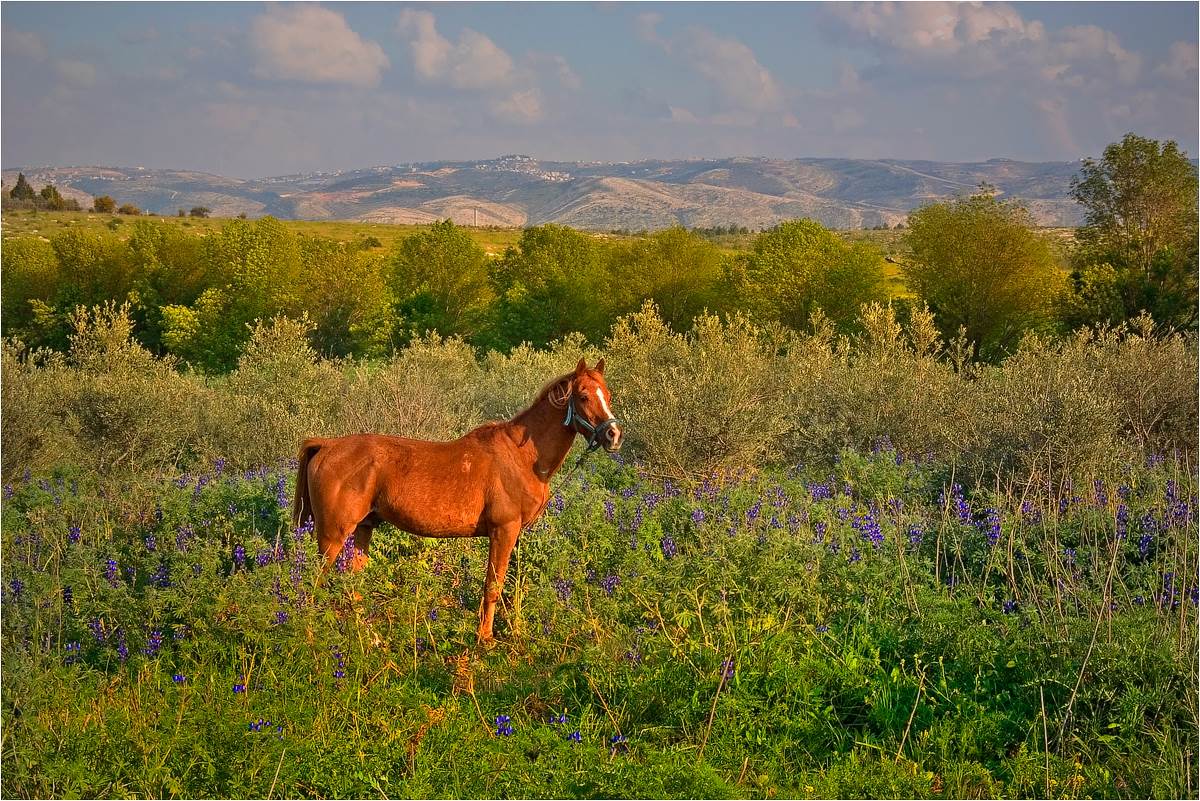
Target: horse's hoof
[{"x": 487, "y": 643}]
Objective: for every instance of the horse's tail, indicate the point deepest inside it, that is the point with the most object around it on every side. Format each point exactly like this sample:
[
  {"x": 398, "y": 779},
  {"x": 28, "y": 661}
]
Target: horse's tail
[{"x": 302, "y": 503}]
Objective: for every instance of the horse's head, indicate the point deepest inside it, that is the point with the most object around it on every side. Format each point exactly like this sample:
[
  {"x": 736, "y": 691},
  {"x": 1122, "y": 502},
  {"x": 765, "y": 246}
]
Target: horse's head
[{"x": 589, "y": 409}]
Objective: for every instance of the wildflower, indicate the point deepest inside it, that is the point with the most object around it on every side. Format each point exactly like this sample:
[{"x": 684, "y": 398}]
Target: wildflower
[
  {"x": 97, "y": 627},
  {"x": 504, "y": 726},
  {"x": 240, "y": 687},
  {"x": 868, "y": 527},
  {"x": 340, "y": 671},
  {"x": 433, "y": 614},
  {"x": 697, "y": 516},
  {"x": 219, "y": 465},
  {"x": 915, "y": 536},
  {"x": 281, "y": 495},
  {"x": 179, "y": 678},
  {"x": 112, "y": 573},
  {"x": 239, "y": 554},
  {"x": 820, "y": 492},
  {"x": 122, "y": 646},
  {"x": 1030, "y": 513},
  {"x": 8, "y": 491},
  {"x": 281, "y": 617},
  {"x": 575, "y": 737},
  {"x": 617, "y": 743},
  {"x": 68, "y": 595},
  {"x": 562, "y": 588},
  {"x": 609, "y": 584},
  {"x": 1009, "y": 607},
  {"x": 610, "y": 509},
  {"x": 819, "y": 529},
  {"x": 161, "y": 577},
  {"x": 991, "y": 526},
  {"x": 16, "y": 586},
  {"x": 1100, "y": 492},
  {"x": 855, "y": 556},
  {"x": 1122, "y": 521},
  {"x": 73, "y": 534},
  {"x": 822, "y": 629},
  {"x": 1069, "y": 556},
  {"x": 154, "y": 643},
  {"x": 727, "y": 669},
  {"x": 668, "y": 547},
  {"x": 559, "y": 719},
  {"x": 753, "y": 512}
]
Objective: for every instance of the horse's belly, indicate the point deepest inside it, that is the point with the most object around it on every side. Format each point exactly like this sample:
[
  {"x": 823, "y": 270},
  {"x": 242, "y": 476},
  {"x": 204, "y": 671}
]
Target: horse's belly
[{"x": 433, "y": 511}]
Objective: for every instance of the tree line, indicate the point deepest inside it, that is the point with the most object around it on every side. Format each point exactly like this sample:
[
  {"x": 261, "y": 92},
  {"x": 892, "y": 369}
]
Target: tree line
[{"x": 978, "y": 263}]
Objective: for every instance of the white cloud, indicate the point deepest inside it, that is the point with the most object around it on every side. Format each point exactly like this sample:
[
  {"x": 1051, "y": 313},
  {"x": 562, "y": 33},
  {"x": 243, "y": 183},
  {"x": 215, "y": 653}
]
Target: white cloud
[
  {"x": 1181, "y": 63},
  {"x": 730, "y": 69},
  {"x": 315, "y": 45},
  {"x": 520, "y": 107},
  {"x": 552, "y": 64},
  {"x": 474, "y": 62},
  {"x": 24, "y": 44}
]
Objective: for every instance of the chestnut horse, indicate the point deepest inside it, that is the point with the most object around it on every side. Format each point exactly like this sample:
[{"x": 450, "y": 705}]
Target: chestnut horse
[{"x": 491, "y": 482}]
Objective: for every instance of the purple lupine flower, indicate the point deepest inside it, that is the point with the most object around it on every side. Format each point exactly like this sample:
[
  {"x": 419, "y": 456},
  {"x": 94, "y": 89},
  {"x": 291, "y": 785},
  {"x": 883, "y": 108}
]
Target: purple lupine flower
[
  {"x": 819, "y": 529},
  {"x": 1122, "y": 521},
  {"x": 68, "y": 595},
  {"x": 281, "y": 617},
  {"x": 1069, "y": 556},
  {"x": 8, "y": 492},
  {"x": 154, "y": 643},
  {"x": 1009, "y": 607},
  {"x": 562, "y": 588},
  {"x": 97, "y": 627},
  {"x": 122, "y": 646},
  {"x": 991, "y": 526},
  {"x": 239, "y": 554},
  {"x": 753, "y": 512},
  {"x": 868, "y": 528},
  {"x": 668, "y": 547},
  {"x": 727, "y": 669},
  {"x": 855, "y": 556},
  {"x": 263, "y": 558},
  {"x": 281, "y": 496},
  {"x": 822, "y": 629},
  {"x": 610, "y": 509},
  {"x": 617, "y": 744},
  {"x": 179, "y": 678},
  {"x": 575, "y": 737},
  {"x": 73, "y": 534},
  {"x": 504, "y": 726},
  {"x": 16, "y": 587},
  {"x": 697, "y": 516},
  {"x": 916, "y": 535},
  {"x": 112, "y": 572},
  {"x": 609, "y": 584},
  {"x": 820, "y": 492},
  {"x": 161, "y": 577},
  {"x": 219, "y": 465}
]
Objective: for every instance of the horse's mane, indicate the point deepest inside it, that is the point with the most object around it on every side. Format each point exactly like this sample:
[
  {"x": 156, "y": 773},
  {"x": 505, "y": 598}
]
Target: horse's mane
[{"x": 554, "y": 392}]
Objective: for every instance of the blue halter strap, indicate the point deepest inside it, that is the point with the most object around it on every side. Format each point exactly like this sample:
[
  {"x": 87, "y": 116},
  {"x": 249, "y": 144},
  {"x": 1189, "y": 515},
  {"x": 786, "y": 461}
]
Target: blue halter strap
[{"x": 595, "y": 434}]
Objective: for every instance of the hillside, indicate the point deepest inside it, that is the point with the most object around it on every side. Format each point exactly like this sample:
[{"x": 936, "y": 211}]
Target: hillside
[{"x": 514, "y": 191}]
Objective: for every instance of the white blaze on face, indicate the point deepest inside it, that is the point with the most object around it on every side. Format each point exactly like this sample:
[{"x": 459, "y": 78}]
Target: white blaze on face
[{"x": 603, "y": 404}]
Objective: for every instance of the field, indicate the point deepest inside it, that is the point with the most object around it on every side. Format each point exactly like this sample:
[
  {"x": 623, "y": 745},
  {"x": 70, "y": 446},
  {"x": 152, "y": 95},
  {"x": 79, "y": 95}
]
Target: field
[{"x": 867, "y": 631}]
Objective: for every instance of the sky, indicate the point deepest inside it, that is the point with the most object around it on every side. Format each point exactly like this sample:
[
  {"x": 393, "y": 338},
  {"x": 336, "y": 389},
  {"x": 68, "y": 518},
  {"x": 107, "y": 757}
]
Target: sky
[{"x": 251, "y": 90}]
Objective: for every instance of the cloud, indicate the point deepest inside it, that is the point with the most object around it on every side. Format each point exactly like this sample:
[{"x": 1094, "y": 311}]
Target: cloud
[
  {"x": 139, "y": 35},
  {"x": 520, "y": 107},
  {"x": 552, "y": 64},
  {"x": 474, "y": 62},
  {"x": 77, "y": 74},
  {"x": 1181, "y": 63},
  {"x": 935, "y": 28},
  {"x": 25, "y": 45},
  {"x": 730, "y": 69},
  {"x": 312, "y": 44}
]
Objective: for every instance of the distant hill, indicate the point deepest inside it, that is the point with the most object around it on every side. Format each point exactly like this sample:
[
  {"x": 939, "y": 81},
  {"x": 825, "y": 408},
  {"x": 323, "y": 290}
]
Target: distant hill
[{"x": 519, "y": 190}]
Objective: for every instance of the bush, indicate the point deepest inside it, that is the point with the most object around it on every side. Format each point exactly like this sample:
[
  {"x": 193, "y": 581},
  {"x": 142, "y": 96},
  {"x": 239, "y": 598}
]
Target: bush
[
  {"x": 104, "y": 204},
  {"x": 712, "y": 400}
]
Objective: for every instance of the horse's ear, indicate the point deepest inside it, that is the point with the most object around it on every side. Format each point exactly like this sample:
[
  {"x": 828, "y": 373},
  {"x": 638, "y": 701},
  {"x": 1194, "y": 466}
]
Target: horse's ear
[
  {"x": 600, "y": 367},
  {"x": 581, "y": 368}
]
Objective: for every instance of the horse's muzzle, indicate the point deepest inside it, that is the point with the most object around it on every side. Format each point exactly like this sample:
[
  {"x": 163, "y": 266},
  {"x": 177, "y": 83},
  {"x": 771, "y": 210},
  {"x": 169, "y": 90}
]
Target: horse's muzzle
[{"x": 613, "y": 438}]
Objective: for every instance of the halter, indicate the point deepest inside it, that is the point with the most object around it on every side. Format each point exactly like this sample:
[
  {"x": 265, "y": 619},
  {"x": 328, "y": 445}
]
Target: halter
[{"x": 595, "y": 434}]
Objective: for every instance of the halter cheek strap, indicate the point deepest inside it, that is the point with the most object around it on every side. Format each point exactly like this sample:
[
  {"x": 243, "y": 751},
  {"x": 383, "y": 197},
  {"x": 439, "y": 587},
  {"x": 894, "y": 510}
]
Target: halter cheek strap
[{"x": 595, "y": 434}]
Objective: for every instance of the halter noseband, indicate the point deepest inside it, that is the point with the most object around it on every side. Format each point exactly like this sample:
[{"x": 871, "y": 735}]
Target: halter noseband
[{"x": 595, "y": 434}]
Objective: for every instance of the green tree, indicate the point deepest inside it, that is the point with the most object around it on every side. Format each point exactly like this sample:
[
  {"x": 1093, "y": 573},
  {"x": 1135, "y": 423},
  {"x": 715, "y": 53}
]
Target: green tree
[
  {"x": 255, "y": 274},
  {"x": 555, "y": 281},
  {"x": 52, "y": 199},
  {"x": 1138, "y": 242},
  {"x": 22, "y": 190},
  {"x": 980, "y": 266},
  {"x": 678, "y": 269},
  {"x": 347, "y": 299},
  {"x": 199, "y": 211},
  {"x": 439, "y": 278},
  {"x": 104, "y": 204},
  {"x": 129, "y": 208},
  {"x": 800, "y": 266}
]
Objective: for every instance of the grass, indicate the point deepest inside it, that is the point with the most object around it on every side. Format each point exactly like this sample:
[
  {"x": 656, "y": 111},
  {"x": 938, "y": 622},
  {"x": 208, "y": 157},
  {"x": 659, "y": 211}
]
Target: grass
[{"x": 865, "y": 631}]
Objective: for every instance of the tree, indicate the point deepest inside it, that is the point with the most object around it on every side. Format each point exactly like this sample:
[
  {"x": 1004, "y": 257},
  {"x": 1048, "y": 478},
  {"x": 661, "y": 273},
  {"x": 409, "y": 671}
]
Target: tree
[
  {"x": 52, "y": 199},
  {"x": 129, "y": 208},
  {"x": 800, "y": 266},
  {"x": 1138, "y": 242},
  {"x": 104, "y": 205},
  {"x": 22, "y": 191},
  {"x": 677, "y": 269},
  {"x": 200, "y": 211},
  {"x": 980, "y": 266},
  {"x": 439, "y": 277}
]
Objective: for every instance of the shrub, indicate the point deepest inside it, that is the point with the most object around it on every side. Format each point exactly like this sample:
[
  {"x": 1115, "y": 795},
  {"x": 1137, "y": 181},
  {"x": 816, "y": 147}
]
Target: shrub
[{"x": 712, "y": 400}]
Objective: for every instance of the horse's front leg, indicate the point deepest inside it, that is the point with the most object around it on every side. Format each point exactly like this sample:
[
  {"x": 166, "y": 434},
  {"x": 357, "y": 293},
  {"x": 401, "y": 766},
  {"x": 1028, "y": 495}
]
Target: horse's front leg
[{"x": 500, "y": 545}]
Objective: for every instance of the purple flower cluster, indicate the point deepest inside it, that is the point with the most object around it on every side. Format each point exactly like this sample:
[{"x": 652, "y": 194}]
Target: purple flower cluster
[{"x": 504, "y": 726}]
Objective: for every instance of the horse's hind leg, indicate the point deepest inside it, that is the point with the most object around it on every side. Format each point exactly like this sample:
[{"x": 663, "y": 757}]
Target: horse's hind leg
[{"x": 362, "y": 544}]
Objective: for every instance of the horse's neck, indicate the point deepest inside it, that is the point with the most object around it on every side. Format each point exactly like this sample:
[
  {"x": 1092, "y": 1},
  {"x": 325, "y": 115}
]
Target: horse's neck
[{"x": 547, "y": 439}]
